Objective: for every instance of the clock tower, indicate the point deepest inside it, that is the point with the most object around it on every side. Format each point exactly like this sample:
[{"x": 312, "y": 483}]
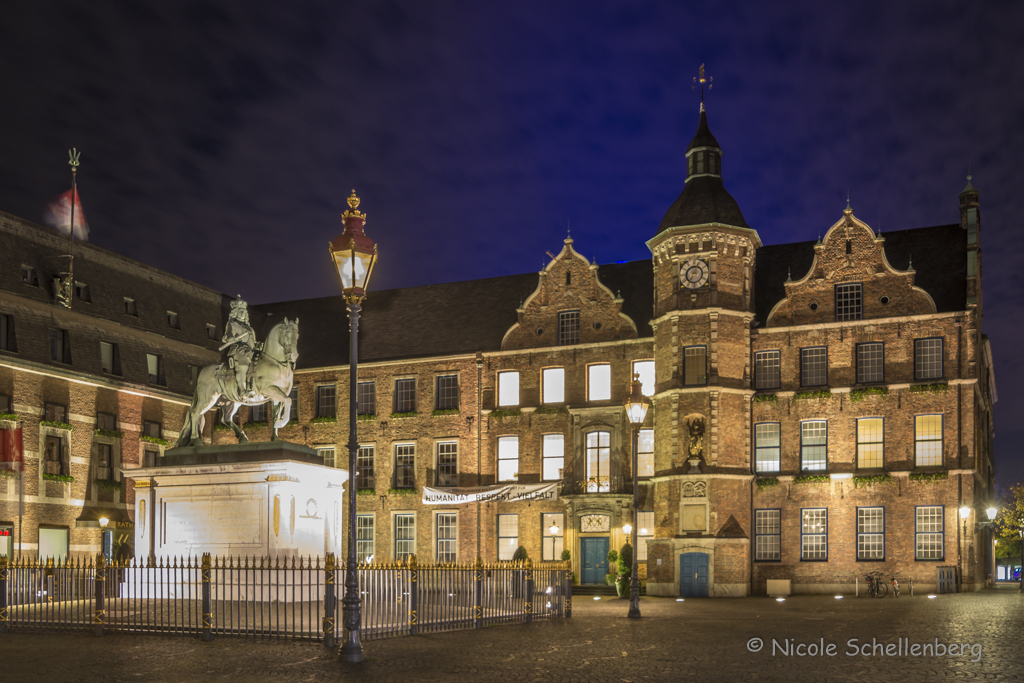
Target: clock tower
[{"x": 703, "y": 257}]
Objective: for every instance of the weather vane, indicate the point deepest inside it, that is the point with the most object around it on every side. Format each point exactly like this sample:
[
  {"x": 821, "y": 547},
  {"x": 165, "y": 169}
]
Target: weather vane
[{"x": 701, "y": 79}]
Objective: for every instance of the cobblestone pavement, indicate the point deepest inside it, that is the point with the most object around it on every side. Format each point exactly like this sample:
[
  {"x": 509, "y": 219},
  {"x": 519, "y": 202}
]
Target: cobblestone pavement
[{"x": 695, "y": 640}]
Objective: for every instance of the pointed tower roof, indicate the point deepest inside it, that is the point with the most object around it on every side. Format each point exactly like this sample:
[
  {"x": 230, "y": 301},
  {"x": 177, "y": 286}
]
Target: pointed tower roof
[{"x": 704, "y": 198}]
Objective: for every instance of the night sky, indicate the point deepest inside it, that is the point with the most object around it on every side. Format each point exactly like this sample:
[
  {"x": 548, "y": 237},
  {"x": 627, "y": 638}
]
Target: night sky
[{"x": 219, "y": 140}]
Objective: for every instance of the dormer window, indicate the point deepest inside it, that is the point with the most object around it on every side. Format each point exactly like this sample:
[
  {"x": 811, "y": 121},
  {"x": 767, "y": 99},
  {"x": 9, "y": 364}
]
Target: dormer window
[
  {"x": 28, "y": 276},
  {"x": 129, "y": 307},
  {"x": 700, "y": 162},
  {"x": 712, "y": 163},
  {"x": 82, "y": 291},
  {"x": 172, "y": 320}
]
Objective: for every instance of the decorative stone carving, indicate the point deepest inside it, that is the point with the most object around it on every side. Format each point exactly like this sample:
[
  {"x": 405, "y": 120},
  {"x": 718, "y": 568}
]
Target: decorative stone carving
[
  {"x": 595, "y": 524},
  {"x": 695, "y": 489}
]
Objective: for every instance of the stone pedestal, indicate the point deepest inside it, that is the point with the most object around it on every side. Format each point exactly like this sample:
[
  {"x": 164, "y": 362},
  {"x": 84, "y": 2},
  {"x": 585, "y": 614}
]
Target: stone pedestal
[{"x": 275, "y": 500}]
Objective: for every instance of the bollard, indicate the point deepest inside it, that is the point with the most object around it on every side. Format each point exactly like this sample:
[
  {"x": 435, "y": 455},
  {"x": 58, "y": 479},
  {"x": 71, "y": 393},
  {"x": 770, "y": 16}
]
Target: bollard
[
  {"x": 414, "y": 596},
  {"x": 568, "y": 591},
  {"x": 4, "y": 617},
  {"x": 478, "y": 593},
  {"x": 330, "y": 601},
  {"x": 529, "y": 589},
  {"x": 100, "y": 583},
  {"x": 207, "y": 609}
]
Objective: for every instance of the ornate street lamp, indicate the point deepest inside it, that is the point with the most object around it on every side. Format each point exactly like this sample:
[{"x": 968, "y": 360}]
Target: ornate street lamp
[
  {"x": 354, "y": 256},
  {"x": 636, "y": 410}
]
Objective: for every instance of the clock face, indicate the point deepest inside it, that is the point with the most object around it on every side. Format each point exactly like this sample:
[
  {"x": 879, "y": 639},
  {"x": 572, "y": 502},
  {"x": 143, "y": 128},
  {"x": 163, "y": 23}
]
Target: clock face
[{"x": 694, "y": 273}]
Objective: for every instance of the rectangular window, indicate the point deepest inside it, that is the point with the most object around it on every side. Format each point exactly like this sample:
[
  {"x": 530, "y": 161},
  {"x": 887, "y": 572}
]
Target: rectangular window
[
  {"x": 53, "y": 543},
  {"x": 364, "y": 539},
  {"x": 928, "y": 358},
  {"x": 508, "y": 389},
  {"x": 448, "y": 392},
  {"x": 172, "y": 320},
  {"x": 5, "y": 331},
  {"x": 193, "y": 374},
  {"x": 405, "y": 536},
  {"x": 814, "y": 445},
  {"x": 552, "y": 543},
  {"x": 767, "y": 447},
  {"x": 258, "y": 413},
  {"x": 644, "y": 520},
  {"x": 447, "y": 537},
  {"x": 60, "y": 346},
  {"x": 106, "y": 421},
  {"x": 645, "y": 368},
  {"x": 814, "y": 366},
  {"x": 55, "y": 412},
  {"x": 151, "y": 429},
  {"x": 447, "y": 463},
  {"x": 870, "y": 362},
  {"x": 928, "y": 440},
  {"x": 405, "y": 395},
  {"x": 327, "y": 453},
  {"x": 110, "y": 358},
  {"x": 364, "y": 467},
  {"x": 848, "y": 302},
  {"x": 598, "y": 458},
  {"x": 149, "y": 457},
  {"x": 326, "y": 400},
  {"x": 870, "y": 442},
  {"x": 768, "y": 535},
  {"x": 294, "y": 396},
  {"x": 366, "y": 398},
  {"x": 553, "y": 385},
  {"x": 405, "y": 466},
  {"x": 568, "y": 327},
  {"x": 508, "y": 458},
  {"x": 695, "y": 365},
  {"x": 553, "y": 456},
  {"x": 767, "y": 370},
  {"x": 508, "y": 536},
  {"x": 5, "y": 403},
  {"x": 814, "y": 534},
  {"x": 645, "y": 453},
  {"x": 104, "y": 455},
  {"x": 28, "y": 276},
  {"x": 211, "y": 331},
  {"x": 871, "y": 533},
  {"x": 599, "y": 382},
  {"x": 129, "y": 307},
  {"x": 929, "y": 537},
  {"x": 154, "y": 364},
  {"x": 82, "y": 291},
  {"x": 53, "y": 456}
]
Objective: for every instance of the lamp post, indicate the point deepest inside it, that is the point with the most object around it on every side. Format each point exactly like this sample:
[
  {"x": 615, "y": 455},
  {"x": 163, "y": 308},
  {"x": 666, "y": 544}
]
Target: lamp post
[
  {"x": 965, "y": 512},
  {"x": 354, "y": 255},
  {"x": 636, "y": 410}
]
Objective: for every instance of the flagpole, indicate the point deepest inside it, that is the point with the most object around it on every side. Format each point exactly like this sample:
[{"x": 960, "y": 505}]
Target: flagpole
[{"x": 73, "y": 155}]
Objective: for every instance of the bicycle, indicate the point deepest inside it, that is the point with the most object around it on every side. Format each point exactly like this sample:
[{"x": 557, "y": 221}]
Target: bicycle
[
  {"x": 876, "y": 587},
  {"x": 895, "y": 586}
]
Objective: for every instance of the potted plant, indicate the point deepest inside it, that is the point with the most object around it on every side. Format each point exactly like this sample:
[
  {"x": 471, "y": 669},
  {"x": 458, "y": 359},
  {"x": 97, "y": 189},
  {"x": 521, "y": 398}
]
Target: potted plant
[
  {"x": 613, "y": 557},
  {"x": 625, "y": 570}
]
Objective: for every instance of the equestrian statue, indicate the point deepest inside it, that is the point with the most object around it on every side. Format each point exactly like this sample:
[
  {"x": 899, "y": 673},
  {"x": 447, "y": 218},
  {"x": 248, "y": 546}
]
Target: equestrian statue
[{"x": 253, "y": 374}]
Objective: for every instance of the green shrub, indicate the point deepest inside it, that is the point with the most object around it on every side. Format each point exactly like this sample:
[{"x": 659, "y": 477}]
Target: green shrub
[
  {"x": 502, "y": 414},
  {"x": 929, "y": 477},
  {"x": 807, "y": 395},
  {"x": 153, "y": 439},
  {"x": 939, "y": 388},
  {"x": 766, "y": 398},
  {"x": 64, "y": 478},
  {"x": 9, "y": 416},
  {"x": 520, "y": 555},
  {"x": 625, "y": 560},
  {"x": 399, "y": 416},
  {"x": 613, "y": 556},
  {"x": 365, "y": 492},
  {"x": 402, "y": 492},
  {"x": 108, "y": 485},
  {"x": 767, "y": 483},
  {"x": 871, "y": 480},
  {"x": 812, "y": 479},
  {"x": 566, "y": 556},
  {"x": 57, "y": 425},
  {"x": 110, "y": 433},
  {"x": 860, "y": 394},
  {"x": 369, "y": 417}
]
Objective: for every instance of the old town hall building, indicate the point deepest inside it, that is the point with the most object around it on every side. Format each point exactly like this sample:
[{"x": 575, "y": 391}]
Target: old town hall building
[{"x": 820, "y": 409}]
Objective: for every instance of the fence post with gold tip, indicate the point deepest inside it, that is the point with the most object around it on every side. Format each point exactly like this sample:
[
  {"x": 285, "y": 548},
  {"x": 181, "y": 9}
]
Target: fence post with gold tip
[
  {"x": 529, "y": 589},
  {"x": 478, "y": 593},
  {"x": 100, "y": 584},
  {"x": 330, "y": 600},
  {"x": 414, "y": 596},
  {"x": 207, "y": 607}
]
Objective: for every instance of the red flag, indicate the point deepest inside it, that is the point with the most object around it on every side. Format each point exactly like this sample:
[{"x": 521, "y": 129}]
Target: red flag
[
  {"x": 12, "y": 454},
  {"x": 58, "y": 215}
]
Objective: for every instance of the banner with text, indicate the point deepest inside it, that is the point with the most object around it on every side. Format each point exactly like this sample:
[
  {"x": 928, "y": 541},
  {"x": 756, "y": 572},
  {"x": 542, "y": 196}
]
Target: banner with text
[{"x": 509, "y": 493}]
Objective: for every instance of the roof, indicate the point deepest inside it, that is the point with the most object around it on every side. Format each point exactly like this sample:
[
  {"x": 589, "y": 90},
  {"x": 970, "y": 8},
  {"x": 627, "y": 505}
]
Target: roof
[
  {"x": 436, "y": 320},
  {"x": 703, "y": 136},
  {"x": 939, "y": 257},
  {"x": 704, "y": 200}
]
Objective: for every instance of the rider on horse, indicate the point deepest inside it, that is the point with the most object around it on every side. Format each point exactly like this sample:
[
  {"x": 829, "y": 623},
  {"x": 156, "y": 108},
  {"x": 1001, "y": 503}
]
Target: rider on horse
[{"x": 240, "y": 341}]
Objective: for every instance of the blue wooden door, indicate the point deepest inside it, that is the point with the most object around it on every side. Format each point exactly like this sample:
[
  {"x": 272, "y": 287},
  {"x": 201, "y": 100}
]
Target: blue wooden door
[
  {"x": 693, "y": 575},
  {"x": 595, "y": 560}
]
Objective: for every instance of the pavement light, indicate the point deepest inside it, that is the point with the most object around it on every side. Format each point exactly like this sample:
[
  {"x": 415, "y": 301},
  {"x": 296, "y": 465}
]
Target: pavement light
[
  {"x": 597, "y": 597},
  {"x": 932, "y": 597},
  {"x": 780, "y": 599},
  {"x": 839, "y": 597},
  {"x": 680, "y": 600}
]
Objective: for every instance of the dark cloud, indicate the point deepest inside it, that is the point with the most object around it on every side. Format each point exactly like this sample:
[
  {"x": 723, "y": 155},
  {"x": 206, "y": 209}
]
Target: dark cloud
[{"x": 220, "y": 139}]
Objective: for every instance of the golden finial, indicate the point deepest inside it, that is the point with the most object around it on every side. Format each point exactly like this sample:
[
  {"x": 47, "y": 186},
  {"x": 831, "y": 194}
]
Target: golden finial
[
  {"x": 73, "y": 155},
  {"x": 701, "y": 79},
  {"x": 353, "y": 210}
]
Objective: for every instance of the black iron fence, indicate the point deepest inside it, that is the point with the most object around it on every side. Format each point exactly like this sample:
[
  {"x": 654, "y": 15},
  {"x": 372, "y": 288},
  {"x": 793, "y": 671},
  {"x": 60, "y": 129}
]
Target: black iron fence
[{"x": 297, "y": 598}]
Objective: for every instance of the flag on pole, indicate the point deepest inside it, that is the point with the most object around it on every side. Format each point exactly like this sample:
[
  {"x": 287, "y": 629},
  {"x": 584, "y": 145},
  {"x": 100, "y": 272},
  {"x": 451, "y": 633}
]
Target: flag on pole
[
  {"x": 12, "y": 454},
  {"x": 58, "y": 215}
]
